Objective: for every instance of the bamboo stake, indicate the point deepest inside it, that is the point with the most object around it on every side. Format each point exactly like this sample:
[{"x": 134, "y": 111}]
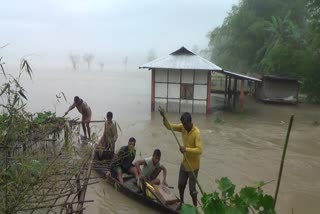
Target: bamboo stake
[
  {"x": 54, "y": 205},
  {"x": 92, "y": 121},
  {"x": 282, "y": 160}
]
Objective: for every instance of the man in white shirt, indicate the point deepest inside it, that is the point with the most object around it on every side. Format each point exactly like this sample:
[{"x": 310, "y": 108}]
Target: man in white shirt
[{"x": 152, "y": 168}]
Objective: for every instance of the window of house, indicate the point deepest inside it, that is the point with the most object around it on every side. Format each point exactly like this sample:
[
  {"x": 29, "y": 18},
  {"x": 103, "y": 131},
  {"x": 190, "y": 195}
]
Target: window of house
[{"x": 186, "y": 91}]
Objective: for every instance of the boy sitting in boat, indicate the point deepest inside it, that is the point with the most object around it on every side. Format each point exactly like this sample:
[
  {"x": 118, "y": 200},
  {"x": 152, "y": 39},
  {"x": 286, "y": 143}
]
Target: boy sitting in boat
[
  {"x": 152, "y": 168},
  {"x": 122, "y": 162}
]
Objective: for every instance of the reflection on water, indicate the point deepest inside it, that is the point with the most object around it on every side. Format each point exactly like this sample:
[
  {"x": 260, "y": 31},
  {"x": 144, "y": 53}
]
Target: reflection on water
[{"x": 245, "y": 147}]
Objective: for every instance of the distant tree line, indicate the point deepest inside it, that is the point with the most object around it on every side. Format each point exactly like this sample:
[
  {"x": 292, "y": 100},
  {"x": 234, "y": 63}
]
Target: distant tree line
[
  {"x": 88, "y": 58},
  {"x": 280, "y": 37}
]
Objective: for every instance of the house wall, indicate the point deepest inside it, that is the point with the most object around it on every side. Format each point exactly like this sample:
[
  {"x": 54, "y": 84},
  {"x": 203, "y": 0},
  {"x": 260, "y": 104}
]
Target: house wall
[
  {"x": 167, "y": 90},
  {"x": 278, "y": 90}
]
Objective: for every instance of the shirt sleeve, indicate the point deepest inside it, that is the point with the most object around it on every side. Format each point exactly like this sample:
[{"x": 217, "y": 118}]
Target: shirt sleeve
[
  {"x": 197, "y": 150},
  {"x": 175, "y": 127},
  {"x": 147, "y": 160}
]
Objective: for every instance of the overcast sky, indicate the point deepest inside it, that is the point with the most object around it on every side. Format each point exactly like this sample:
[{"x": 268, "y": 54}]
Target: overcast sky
[{"x": 49, "y": 30}]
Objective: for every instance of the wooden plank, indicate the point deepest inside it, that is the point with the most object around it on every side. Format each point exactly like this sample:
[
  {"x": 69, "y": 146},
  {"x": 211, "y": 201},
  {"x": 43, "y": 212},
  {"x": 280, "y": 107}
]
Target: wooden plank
[
  {"x": 165, "y": 193},
  {"x": 152, "y": 89},
  {"x": 209, "y": 93},
  {"x": 241, "y": 95},
  {"x": 234, "y": 93}
]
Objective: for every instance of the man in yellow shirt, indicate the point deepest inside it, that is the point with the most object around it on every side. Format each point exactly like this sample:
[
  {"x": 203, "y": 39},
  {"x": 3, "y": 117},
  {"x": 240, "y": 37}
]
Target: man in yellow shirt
[{"x": 192, "y": 147}]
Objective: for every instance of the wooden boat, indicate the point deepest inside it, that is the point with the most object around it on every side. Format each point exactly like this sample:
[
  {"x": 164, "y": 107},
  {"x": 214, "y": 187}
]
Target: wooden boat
[{"x": 131, "y": 189}]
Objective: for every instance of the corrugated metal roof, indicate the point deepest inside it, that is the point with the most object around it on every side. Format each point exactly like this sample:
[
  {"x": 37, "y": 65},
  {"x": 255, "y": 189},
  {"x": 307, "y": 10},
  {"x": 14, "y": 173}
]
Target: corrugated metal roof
[
  {"x": 239, "y": 76},
  {"x": 182, "y": 59},
  {"x": 279, "y": 77}
]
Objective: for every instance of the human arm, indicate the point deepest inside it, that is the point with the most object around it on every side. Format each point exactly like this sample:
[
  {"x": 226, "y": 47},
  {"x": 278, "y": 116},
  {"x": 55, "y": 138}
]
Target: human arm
[
  {"x": 70, "y": 108},
  {"x": 137, "y": 165},
  {"x": 175, "y": 127},
  {"x": 113, "y": 164},
  {"x": 164, "y": 180}
]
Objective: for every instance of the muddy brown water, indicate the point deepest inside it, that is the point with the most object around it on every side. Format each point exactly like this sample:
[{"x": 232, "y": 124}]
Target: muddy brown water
[{"x": 245, "y": 147}]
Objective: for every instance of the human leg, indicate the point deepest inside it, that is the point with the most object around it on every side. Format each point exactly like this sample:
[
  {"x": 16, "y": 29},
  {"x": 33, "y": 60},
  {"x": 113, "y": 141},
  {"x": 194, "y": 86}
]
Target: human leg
[
  {"x": 88, "y": 129},
  {"x": 182, "y": 182},
  {"x": 84, "y": 129},
  {"x": 111, "y": 147},
  {"x": 87, "y": 119},
  {"x": 155, "y": 181},
  {"x": 192, "y": 186},
  {"x": 119, "y": 174},
  {"x": 154, "y": 175},
  {"x": 134, "y": 171}
]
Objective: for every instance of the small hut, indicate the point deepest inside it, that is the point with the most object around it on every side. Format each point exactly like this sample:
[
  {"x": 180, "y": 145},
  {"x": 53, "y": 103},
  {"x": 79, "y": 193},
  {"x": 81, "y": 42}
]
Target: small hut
[
  {"x": 278, "y": 89},
  {"x": 181, "y": 82}
]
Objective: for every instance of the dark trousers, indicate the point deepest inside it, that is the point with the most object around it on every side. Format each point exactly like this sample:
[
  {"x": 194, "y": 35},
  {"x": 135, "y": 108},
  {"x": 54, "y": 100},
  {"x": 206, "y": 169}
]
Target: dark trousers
[{"x": 182, "y": 182}]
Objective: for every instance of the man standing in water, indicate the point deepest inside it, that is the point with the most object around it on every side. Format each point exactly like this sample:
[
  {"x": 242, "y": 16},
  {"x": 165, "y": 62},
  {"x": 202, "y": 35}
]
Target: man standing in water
[
  {"x": 86, "y": 113},
  {"x": 192, "y": 148},
  {"x": 110, "y": 133}
]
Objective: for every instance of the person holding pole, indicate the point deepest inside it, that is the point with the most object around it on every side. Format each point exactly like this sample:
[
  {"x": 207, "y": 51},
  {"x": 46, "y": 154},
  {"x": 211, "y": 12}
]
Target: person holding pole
[{"x": 191, "y": 150}]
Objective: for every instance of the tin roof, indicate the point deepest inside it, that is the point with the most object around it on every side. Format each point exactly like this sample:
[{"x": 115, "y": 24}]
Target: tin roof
[
  {"x": 239, "y": 76},
  {"x": 278, "y": 77},
  {"x": 182, "y": 59}
]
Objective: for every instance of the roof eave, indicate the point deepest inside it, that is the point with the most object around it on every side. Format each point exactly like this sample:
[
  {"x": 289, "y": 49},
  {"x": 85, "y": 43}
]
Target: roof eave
[{"x": 202, "y": 69}]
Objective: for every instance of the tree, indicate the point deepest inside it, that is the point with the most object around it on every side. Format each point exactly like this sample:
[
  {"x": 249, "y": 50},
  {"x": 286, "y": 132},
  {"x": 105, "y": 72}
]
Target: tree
[
  {"x": 311, "y": 80},
  {"x": 151, "y": 55},
  {"x": 88, "y": 58},
  {"x": 241, "y": 42},
  {"x": 195, "y": 49},
  {"x": 275, "y": 37},
  {"x": 125, "y": 63},
  {"x": 101, "y": 65},
  {"x": 75, "y": 59}
]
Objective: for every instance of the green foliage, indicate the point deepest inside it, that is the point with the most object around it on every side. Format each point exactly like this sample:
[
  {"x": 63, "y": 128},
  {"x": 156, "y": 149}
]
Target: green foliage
[
  {"x": 19, "y": 171},
  {"x": 218, "y": 120},
  {"x": 21, "y": 164},
  {"x": 272, "y": 37},
  {"x": 188, "y": 209},
  {"x": 43, "y": 117},
  {"x": 229, "y": 202}
]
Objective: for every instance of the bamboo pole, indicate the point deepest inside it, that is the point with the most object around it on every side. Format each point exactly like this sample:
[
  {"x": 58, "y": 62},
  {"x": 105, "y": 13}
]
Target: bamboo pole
[
  {"x": 82, "y": 194},
  {"x": 54, "y": 205},
  {"x": 92, "y": 121},
  {"x": 282, "y": 160}
]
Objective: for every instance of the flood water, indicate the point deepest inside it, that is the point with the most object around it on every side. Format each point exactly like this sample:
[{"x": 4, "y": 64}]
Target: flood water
[{"x": 245, "y": 147}]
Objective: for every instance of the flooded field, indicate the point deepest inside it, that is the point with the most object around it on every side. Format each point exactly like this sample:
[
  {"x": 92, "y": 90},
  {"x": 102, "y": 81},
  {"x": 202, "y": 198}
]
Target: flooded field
[{"x": 246, "y": 147}]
